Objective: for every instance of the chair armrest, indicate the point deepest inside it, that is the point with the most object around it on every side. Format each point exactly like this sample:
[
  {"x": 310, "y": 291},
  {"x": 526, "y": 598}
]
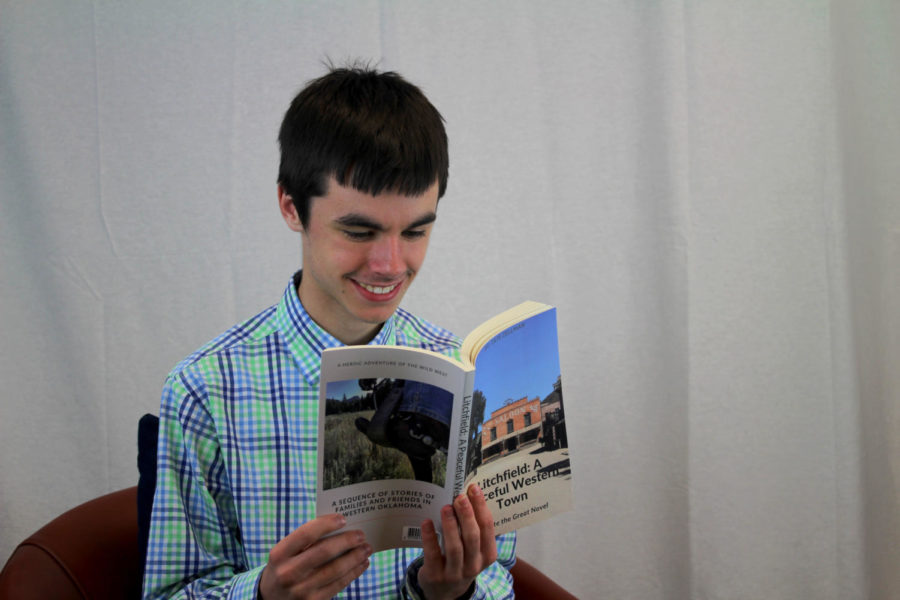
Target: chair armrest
[
  {"x": 529, "y": 582},
  {"x": 90, "y": 551}
]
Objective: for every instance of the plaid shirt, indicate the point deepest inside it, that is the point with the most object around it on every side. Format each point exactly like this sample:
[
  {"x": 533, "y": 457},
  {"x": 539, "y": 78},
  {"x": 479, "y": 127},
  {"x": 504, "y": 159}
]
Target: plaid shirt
[{"x": 237, "y": 459}]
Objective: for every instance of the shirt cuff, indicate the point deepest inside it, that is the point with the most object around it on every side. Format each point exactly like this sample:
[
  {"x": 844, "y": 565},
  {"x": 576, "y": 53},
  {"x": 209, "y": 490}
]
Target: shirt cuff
[
  {"x": 413, "y": 591},
  {"x": 246, "y": 584}
]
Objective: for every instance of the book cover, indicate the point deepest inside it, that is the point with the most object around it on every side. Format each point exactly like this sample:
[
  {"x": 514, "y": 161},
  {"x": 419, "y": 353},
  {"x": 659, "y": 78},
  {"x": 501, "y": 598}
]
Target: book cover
[
  {"x": 518, "y": 449},
  {"x": 403, "y": 430}
]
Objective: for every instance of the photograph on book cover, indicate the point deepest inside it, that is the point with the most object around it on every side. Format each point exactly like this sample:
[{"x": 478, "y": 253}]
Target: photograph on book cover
[
  {"x": 385, "y": 428},
  {"x": 518, "y": 448}
]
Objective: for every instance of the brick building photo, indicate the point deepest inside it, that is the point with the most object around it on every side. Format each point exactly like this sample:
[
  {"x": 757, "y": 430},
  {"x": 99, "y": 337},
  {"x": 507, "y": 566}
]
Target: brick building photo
[{"x": 523, "y": 422}]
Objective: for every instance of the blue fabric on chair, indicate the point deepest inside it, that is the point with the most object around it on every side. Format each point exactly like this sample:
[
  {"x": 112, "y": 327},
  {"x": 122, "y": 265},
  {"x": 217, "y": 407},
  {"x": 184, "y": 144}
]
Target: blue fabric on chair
[{"x": 148, "y": 432}]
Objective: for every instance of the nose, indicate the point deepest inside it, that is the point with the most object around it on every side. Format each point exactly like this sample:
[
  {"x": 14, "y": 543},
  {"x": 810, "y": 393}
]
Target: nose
[{"x": 385, "y": 256}]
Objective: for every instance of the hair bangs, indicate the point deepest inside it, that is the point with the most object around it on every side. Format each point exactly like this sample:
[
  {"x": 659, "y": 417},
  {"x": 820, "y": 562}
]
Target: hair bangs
[{"x": 374, "y": 132}]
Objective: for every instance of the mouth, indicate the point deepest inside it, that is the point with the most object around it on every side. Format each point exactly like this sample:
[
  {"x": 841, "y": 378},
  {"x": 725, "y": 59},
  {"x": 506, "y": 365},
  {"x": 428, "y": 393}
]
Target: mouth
[
  {"x": 378, "y": 290},
  {"x": 378, "y": 293}
]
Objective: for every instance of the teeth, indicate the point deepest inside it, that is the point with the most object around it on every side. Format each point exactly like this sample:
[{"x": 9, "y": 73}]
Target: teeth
[{"x": 378, "y": 290}]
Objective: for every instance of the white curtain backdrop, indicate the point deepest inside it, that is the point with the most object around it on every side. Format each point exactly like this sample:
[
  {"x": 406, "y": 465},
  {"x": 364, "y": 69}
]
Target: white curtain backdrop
[{"x": 707, "y": 190}]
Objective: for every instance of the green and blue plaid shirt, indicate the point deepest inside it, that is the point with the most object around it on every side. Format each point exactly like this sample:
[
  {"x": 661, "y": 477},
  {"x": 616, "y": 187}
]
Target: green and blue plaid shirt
[{"x": 237, "y": 459}]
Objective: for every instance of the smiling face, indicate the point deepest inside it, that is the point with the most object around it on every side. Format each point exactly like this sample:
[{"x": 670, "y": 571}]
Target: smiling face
[{"x": 360, "y": 255}]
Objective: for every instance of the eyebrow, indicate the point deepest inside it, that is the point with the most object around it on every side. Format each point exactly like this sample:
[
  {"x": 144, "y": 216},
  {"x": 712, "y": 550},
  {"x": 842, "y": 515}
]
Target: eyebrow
[{"x": 358, "y": 220}]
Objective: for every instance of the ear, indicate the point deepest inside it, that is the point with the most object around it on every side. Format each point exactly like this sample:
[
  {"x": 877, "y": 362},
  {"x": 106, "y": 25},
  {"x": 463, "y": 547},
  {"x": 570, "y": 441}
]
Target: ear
[{"x": 288, "y": 210}]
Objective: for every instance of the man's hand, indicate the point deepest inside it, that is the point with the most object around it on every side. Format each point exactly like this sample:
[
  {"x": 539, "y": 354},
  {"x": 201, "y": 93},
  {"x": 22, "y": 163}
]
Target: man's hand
[
  {"x": 309, "y": 566},
  {"x": 469, "y": 547}
]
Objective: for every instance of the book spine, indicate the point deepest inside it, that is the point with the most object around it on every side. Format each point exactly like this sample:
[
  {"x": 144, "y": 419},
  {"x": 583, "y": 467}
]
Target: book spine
[{"x": 462, "y": 442}]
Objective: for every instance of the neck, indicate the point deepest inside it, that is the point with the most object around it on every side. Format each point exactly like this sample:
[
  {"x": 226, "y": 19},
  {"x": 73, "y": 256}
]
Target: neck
[{"x": 348, "y": 333}]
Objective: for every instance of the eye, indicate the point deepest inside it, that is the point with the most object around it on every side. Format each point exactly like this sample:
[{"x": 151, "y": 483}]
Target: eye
[
  {"x": 358, "y": 235},
  {"x": 413, "y": 234}
]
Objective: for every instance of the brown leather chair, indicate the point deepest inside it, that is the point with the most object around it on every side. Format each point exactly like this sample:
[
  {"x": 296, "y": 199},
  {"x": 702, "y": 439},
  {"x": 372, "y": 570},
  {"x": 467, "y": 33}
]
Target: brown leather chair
[{"x": 90, "y": 551}]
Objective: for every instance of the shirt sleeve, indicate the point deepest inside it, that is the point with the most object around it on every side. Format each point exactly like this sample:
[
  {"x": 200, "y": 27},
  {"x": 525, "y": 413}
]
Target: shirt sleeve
[
  {"x": 194, "y": 548},
  {"x": 493, "y": 583}
]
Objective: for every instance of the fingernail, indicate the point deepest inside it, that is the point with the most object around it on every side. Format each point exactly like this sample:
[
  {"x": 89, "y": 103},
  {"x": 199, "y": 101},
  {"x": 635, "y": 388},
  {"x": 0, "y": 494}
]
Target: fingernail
[
  {"x": 474, "y": 490},
  {"x": 341, "y": 520}
]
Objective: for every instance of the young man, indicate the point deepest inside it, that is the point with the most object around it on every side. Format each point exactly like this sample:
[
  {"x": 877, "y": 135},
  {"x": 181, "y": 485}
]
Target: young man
[{"x": 363, "y": 164}]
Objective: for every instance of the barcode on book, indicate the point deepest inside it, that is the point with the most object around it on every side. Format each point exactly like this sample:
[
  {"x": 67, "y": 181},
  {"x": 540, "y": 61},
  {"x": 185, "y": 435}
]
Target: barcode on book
[{"x": 414, "y": 534}]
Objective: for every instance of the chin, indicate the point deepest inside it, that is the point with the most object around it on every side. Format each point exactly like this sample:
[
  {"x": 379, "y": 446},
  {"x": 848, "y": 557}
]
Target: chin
[{"x": 379, "y": 315}]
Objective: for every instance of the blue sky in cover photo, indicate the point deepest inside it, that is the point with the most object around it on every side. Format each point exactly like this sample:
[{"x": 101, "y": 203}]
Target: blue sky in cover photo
[{"x": 500, "y": 371}]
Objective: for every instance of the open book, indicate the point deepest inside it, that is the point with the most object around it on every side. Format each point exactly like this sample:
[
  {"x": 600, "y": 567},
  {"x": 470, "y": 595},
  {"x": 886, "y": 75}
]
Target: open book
[{"x": 402, "y": 431}]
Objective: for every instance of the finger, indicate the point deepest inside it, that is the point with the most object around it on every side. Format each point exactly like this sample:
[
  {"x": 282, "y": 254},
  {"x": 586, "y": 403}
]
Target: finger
[
  {"x": 327, "y": 550},
  {"x": 453, "y": 545},
  {"x": 305, "y": 536},
  {"x": 470, "y": 533},
  {"x": 322, "y": 564},
  {"x": 431, "y": 548},
  {"x": 485, "y": 523},
  {"x": 341, "y": 570},
  {"x": 340, "y": 584}
]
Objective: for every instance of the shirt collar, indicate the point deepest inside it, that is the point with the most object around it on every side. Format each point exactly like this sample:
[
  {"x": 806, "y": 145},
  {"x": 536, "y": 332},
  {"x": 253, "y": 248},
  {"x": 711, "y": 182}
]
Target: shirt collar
[{"x": 306, "y": 339}]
